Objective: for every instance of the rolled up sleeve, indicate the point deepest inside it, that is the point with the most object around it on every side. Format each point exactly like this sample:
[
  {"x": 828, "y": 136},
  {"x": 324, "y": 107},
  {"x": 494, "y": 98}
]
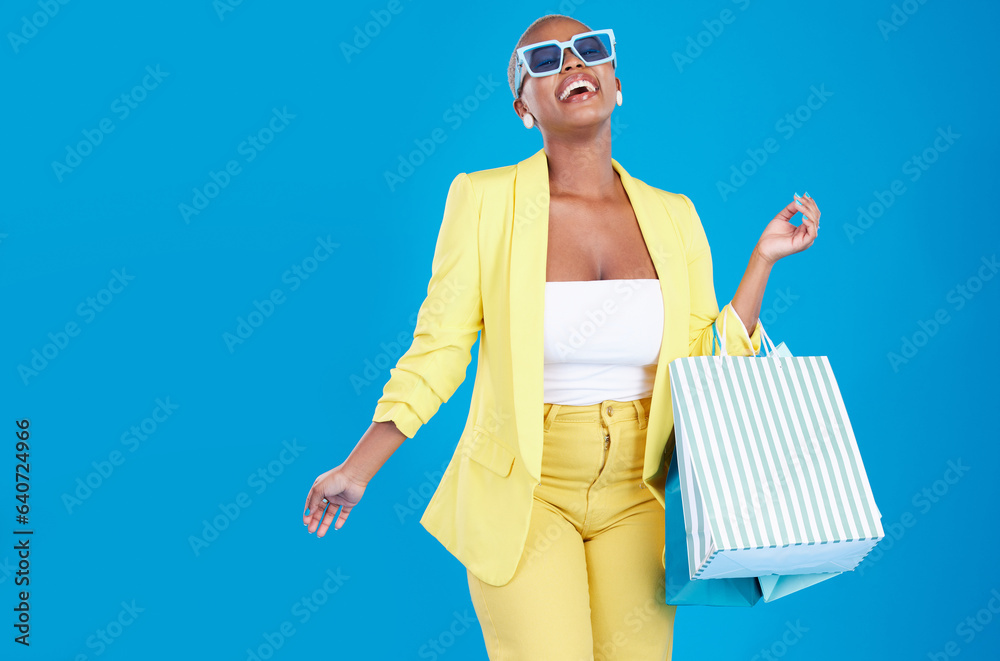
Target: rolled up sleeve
[
  {"x": 705, "y": 311},
  {"x": 448, "y": 322}
]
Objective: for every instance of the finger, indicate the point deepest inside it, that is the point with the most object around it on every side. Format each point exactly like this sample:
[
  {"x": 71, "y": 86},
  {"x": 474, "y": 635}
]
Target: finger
[
  {"x": 340, "y": 520},
  {"x": 810, "y": 204},
  {"x": 806, "y": 230},
  {"x": 328, "y": 518},
  {"x": 314, "y": 501},
  {"x": 317, "y": 506},
  {"x": 813, "y": 210},
  {"x": 790, "y": 210},
  {"x": 307, "y": 510},
  {"x": 320, "y": 512},
  {"x": 805, "y": 206},
  {"x": 810, "y": 212}
]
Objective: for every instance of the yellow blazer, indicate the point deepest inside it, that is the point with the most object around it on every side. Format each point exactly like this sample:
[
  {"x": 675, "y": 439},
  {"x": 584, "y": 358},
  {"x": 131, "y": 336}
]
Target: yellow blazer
[{"x": 488, "y": 275}]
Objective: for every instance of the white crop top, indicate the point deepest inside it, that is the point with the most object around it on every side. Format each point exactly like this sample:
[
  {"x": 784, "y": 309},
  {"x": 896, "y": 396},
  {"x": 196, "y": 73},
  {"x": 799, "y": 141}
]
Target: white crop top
[{"x": 602, "y": 340}]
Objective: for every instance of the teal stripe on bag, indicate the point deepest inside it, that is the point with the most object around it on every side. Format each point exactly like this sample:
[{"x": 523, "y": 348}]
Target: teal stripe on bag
[
  {"x": 784, "y": 480},
  {"x": 829, "y": 518},
  {"x": 787, "y": 375},
  {"x": 771, "y": 523},
  {"x": 844, "y": 454},
  {"x": 824, "y": 451},
  {"x": 694, "y": 521},
  {"x": 732, "y": 395},
  {"x": 863, "y": 489},
  {"x": 831, "y": 455},
  {"x": 792, "y": 476},
  {"x": 722, "y": 449},
  {"x": 767, "y": 456},
  {"x": 793, "y": 438},
  {"x": 707, "y": 471}
]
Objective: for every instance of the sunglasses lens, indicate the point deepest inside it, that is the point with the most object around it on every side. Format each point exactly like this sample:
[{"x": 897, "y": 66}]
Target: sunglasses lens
[
  {"x": 594, "y": 47},
  {"x": 542, "y": 59}
]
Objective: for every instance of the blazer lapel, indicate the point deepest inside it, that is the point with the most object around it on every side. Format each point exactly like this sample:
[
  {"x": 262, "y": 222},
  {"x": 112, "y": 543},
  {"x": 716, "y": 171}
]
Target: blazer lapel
[{"x": 529, "y": 250}]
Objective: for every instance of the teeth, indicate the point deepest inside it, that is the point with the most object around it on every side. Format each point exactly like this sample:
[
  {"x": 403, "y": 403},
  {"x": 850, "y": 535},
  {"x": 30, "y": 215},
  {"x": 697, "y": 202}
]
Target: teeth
[{"x": 576, "y": 84}]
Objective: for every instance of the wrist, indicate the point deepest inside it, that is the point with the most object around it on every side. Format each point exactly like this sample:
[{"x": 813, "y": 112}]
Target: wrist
[
  {"x": 356, "y": 474},
  {"x": 760, "y": 259}
]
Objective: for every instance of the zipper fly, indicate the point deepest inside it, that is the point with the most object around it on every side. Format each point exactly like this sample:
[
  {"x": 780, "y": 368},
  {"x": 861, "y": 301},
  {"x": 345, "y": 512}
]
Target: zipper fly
[{"x": 607, "y": 444}]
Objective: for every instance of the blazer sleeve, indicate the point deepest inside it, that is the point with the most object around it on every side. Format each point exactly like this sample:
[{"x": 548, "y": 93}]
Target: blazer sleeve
[
  {"x": 705, "y": 307},
  {"x": 448, "y": 322}
]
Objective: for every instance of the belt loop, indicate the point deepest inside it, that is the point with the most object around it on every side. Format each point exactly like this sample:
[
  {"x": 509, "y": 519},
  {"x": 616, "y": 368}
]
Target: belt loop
[
  {"x": 551, "y": 416},
  {"x": 640, "y": 412}
]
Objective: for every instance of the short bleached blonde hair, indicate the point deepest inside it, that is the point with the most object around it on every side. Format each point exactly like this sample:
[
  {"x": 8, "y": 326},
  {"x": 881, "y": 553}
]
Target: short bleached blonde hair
[{"x": 520, "y": 42}]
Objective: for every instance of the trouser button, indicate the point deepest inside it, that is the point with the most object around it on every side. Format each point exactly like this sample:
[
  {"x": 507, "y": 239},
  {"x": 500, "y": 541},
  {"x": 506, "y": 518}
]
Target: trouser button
[{"x": 610, "y": 410}]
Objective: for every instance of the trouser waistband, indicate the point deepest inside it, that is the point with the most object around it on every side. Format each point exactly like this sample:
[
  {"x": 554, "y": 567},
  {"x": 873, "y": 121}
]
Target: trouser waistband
[{"x": 609, "y": 410}]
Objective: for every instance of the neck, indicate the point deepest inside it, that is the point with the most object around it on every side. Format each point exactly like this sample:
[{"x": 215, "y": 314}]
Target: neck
[{"x": 582, "y": 167}]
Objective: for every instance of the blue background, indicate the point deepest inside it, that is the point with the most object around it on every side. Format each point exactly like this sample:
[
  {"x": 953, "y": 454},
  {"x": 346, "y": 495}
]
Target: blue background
[{"x": 300, "y": 379}]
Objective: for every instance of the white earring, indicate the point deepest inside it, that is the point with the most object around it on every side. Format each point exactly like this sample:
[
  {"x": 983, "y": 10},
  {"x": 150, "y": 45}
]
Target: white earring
[
  {"x": 619, "y": 97},
  {"x": 528, "y": 120}
]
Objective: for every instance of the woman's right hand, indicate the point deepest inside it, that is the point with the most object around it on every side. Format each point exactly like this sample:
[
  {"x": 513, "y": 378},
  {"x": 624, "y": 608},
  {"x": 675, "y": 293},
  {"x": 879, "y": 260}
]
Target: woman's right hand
[{"x": 338, "y": 487}]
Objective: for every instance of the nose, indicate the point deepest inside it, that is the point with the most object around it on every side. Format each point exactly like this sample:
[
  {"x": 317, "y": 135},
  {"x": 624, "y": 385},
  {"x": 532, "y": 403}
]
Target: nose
[{"x": 570, "y": 60}]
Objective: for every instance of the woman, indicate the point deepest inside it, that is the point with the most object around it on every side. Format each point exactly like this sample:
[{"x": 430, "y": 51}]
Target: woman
[{"x": 585, "y": 283}]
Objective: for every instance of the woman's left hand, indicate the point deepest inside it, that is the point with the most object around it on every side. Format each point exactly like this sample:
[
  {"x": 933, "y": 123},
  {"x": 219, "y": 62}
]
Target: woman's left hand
[{"x": 781, "y": 238}]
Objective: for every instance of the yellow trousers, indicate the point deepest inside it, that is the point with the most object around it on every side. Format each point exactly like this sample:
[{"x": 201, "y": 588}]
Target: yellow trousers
[{"x": 589, "y": 584}]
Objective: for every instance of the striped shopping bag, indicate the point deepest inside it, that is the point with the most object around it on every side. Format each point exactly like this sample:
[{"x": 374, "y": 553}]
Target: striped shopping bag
[{"x": 771, "y": 478}]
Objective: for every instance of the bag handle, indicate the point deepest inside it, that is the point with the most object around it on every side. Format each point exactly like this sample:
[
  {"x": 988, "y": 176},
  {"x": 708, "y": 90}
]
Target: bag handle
[
  {"x": 766, "y": 344},
  {"x": 766, "y": 340}
]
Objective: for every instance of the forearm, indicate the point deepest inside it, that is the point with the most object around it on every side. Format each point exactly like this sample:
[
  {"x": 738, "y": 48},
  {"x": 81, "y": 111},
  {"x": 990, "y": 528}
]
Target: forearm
[
  {"x": 749, "y": 295},
  {"x": 377, "y": 444}
]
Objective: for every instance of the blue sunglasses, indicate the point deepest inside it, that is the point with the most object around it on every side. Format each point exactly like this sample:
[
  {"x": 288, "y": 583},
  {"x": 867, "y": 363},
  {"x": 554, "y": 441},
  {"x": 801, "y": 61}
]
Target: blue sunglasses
[{"x": 546, "y": 57}]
